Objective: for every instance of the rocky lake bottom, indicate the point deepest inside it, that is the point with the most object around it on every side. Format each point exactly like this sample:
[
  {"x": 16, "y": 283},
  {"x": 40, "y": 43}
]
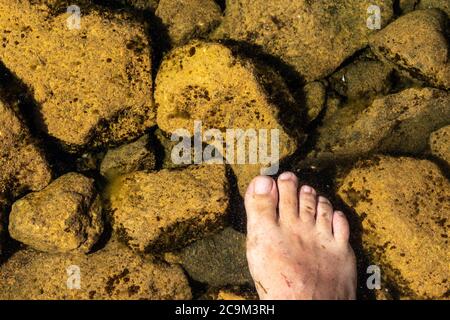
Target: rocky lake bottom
[{"x": 92, "y": 93}]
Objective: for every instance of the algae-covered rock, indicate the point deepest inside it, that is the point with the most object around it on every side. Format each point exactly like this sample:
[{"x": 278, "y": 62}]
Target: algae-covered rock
[
  {"x": 23, "y": 164},
  {"x": 400, "y": 122},
  {"x": 111, "y": 273},
  {"x": 208, "y": 82},
  {"x": 128, "y": 158},
  {"x": 166, "y": 210},
  {"x": 440, "y": 144},
  {"x": 422, "y": 53},
  {"x": 404, "y": 207},
  {"x": 362, "y": 80},
  {"x": 314, "y": 37},
  {"x": 218, "y": 260},
  {"x": 66, "y": 216},
  {"x": 188, "y": 19},
  {"x": 92, "y": 85}
]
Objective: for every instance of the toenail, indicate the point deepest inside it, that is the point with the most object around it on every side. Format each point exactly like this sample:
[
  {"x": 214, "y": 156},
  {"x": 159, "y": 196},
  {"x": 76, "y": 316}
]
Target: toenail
[
  {"x": 307, "y": 189},
  {"x": 340, "y": 213},
  {"x": 263, "y": 185},
  {"x": 286, "y": 176},
  {"x": 323, "y": 200}
]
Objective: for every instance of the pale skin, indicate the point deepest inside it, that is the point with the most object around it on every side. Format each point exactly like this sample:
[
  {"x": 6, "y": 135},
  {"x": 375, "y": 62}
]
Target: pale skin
[{"x": 297, "y": 245}]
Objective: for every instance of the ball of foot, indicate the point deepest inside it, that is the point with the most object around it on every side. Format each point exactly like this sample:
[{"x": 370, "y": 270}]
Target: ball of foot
[{"x": 63, "y": 217}]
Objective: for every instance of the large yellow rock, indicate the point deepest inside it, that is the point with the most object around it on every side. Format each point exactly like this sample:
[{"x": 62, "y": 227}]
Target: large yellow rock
[
  {"x": 404, "y": 207},
  {"x": 166, "y": 210},
  {"x": 111, "y": 273},
  {"x": 422, "y": 53},
  {"x": 314, "y": 37},
  {"x": 66, "y": 216},
  {"x": 208, "y": 82},
  {"x": 92, "y": 85}
]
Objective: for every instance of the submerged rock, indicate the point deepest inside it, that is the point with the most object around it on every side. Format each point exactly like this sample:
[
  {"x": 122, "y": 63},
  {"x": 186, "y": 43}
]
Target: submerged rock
[
  {"x": 187, "y": 20},
  {"x": 210, "y": 83},
  {"x": 64, "y": 217},
  {"x": 362, "y": 80},
  {"x": 404, "y": 207},
  {"x": 23, "y": 164},
  {"x": 444, "y": 5},
  {"x": 440, "y": 144},
  {"x": 418, "y": 44},
  {"x": 315, "y": 98},
  {"x": 314, "y": 37},
  {"x": 141, "y": 4},
  {"x": 111, "y": 273},
  {"x": 400, "y": 122},
  {"x": 92, "y": 85},
  {"x": 128, "y": 158},
  {"x": 218, "y": 260},
  {"x": 166, "y": 210}
]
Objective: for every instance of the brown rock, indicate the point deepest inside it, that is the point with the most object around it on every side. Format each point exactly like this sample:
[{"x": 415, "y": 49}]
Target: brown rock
[
  {"x": 92, "y": 85},
  {"x": 64, "y": 217},
  {"x": 314, "y": 37},
  {"x": 128, "y": 158},
  {"x": 218, "y": 260},
  {"x": 188, "y": 19},
  {"x": 444, "y": 5},
  {"x": 362, "y": 80},
  {"x": 207, "y": 82},
  {"x": 440, "y": 144},
  {"x": 22, "y": 162},
  {"x": 422, "y": 53},
  {"x": 166, "y": 210},
  {"x": 404, "y": 207},
  {"x": 400, "y": 122},
  {"x": 111, "y": 273}
]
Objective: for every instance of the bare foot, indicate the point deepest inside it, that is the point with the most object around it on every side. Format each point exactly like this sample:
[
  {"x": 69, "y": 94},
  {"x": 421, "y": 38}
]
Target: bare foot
[{"x": 297, "y": 247}]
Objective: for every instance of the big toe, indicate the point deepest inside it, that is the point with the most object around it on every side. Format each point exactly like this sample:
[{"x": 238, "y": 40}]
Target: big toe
[{"x": 261, "y": 201}]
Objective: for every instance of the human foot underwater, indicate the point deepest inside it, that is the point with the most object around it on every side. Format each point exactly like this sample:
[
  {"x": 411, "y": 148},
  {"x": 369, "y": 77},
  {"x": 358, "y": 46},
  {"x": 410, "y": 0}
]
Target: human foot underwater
[{"x": 297, "y": 245}]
